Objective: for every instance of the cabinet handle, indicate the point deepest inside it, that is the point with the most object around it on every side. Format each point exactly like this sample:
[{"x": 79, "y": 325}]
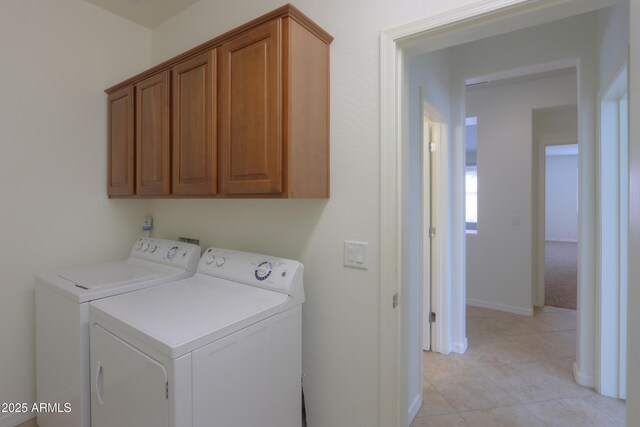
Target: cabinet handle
[{"x": 100, "y": 384}]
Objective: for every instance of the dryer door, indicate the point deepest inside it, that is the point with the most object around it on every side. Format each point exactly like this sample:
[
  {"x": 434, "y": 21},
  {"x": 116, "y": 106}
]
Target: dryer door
[{"x": 128, "y": 388}]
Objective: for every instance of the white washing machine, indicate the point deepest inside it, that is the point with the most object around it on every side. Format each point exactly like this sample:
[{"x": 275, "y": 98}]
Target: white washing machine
[
  {"x": 62, "y": 319},
  {"x": 222, "y": 348}
]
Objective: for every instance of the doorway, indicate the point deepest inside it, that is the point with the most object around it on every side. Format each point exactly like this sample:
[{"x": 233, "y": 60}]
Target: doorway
[
  {"x": 395, "y": 45},
  {"x": 561, "y": 226}
]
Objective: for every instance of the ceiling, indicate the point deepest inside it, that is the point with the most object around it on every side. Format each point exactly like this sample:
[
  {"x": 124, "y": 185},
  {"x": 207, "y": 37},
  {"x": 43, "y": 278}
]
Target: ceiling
[{"x": 148, "y": 13}]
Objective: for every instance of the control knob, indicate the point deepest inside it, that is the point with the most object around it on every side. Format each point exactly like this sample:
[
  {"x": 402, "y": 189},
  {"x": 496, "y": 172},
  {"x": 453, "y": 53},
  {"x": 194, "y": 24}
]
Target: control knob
[
  {"x": 171, "y": 254},
  {"x": 263, "y": 271}
]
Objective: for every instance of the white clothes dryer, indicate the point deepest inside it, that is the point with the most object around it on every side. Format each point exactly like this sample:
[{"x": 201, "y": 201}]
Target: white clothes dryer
[
  {"x": 222, "y": 348},
  {"x": 62, "y": 319}
]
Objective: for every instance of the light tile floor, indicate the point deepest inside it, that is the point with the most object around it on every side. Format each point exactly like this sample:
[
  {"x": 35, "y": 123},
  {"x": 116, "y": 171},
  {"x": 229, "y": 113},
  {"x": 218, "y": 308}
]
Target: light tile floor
[{"x": 516, "y": 372}]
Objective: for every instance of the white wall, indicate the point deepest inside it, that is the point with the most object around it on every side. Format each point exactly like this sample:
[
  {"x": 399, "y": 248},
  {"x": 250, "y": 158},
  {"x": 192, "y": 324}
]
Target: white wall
[
  {"x": 57, "y": 59},
  {"x": 431, "y": 73},
  {"x": 612, "y": 33},
  {"x": 342, "y": 309},
  {"x": 561, "y": 198},
  {"x": 499, "y": 268},
  {"x": 341, "y": 316}
]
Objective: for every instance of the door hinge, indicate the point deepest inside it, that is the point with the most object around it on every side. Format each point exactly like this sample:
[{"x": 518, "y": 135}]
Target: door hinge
[
  {"x": 432, "y": 147},
  {"x": 166, "y": 389},
  {"x": 395, "y": 300},
  {"x": 432, "y": 317},
  {"x": 432, "y": 232}
]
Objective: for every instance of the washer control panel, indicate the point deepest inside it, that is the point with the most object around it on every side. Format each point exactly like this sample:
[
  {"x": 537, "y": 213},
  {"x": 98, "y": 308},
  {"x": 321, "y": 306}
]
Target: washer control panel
[
  {"x": 169, "y": 252},
  {"x": 276, "y": 274}
]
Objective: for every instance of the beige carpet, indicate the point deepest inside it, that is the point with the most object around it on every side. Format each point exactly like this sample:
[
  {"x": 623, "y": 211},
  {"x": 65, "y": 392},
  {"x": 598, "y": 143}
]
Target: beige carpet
[{"x": 561, "y": 274}]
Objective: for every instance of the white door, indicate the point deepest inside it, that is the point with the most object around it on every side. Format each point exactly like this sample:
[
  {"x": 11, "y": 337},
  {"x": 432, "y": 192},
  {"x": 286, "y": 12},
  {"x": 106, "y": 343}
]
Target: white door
[
  {"x": 128, "y": 388},
  {"x": 427, "y": 161},
  {"x": 433, "y": 137}
]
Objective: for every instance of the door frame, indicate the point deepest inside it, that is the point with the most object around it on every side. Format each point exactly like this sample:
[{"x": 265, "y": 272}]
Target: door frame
[
  {"x": 609, "y": 359},
  {"x": 467, "y": 23}
]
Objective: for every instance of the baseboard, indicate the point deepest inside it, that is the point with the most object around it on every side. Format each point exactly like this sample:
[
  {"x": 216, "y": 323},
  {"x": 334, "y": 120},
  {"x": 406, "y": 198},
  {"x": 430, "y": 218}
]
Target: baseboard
[
  {"x": 552, "y": 239},
  {"x": 12, "y": 420},
  {"x": 460, "y": 348},
  {"x": 500, "y": 307},
  {"x": 414, "y": 408},
  {"x": 582, "y": 379}
]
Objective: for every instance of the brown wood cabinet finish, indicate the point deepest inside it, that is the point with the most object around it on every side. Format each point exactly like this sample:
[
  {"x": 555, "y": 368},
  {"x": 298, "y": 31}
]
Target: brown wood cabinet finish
[
  {"x": 194, "y": 126},
  {"x": 121, "y": 178},
  {"x": 306, "y": 117},
  {"x": 243, "y": 115},
  {"x": 153, "y": 162},
  {"x": 250, "y": 112}
]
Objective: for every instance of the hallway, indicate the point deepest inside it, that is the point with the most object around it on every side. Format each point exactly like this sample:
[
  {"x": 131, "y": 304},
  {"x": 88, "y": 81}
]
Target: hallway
[
  {"x": 516, "y": 372},
  {"x": 561, "y": 274}
]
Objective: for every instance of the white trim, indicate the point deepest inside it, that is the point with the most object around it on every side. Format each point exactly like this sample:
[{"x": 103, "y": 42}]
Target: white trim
[
  {"x": 12, "y": 420},
  {"x": 390, "y": 233},
  {"x": 524, "y": 311},
  {"x": 557, "y": 239},
  {"x": 623, "y": 62},
  {"x": 415, "y": 406},
  {"x": 417, "y": 29},
  {"x": 460, "y": 348},
  {"x": 608, "y": 307},
  {"x": 582, "y": 379}
]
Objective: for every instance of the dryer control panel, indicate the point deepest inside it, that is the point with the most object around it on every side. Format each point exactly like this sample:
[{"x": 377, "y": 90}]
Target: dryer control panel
[
  {"x": 169, "y": 252},
  {"x": 263, "y": 271}
]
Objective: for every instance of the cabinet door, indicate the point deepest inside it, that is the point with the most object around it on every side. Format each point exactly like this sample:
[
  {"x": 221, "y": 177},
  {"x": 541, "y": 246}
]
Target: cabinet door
[
  {"x": 250, "y": 110},
  {"x": 128, "y": 388},
  {"x": 152, "y": 136},
  {"x": 120, "y": 121},
  {"x": 194, "y": 126}
]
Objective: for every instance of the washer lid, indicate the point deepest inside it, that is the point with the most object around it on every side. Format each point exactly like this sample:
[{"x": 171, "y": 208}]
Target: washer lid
[
  {"x": 113, "y": 274},
  {"x": 177, "y": 318}
]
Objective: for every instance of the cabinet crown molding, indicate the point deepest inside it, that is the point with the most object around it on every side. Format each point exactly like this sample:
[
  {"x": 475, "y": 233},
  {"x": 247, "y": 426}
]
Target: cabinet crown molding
[{"x": 285, "y": 11}]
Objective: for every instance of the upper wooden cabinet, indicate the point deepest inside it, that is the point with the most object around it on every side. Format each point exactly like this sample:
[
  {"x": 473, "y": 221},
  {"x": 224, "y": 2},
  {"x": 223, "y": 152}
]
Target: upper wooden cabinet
[
  {"x": 250, "y": 112},
  {"x": 153, "y": 160},
  {"x": 121, "y": 178},
  {"x": 249, "y": 116},
  {"x": 194, "y": 126}
]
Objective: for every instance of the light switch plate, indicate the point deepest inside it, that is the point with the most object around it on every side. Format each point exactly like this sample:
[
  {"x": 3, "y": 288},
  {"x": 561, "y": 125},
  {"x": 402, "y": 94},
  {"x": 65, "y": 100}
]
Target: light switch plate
[{"x": 355, "y": 254}]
